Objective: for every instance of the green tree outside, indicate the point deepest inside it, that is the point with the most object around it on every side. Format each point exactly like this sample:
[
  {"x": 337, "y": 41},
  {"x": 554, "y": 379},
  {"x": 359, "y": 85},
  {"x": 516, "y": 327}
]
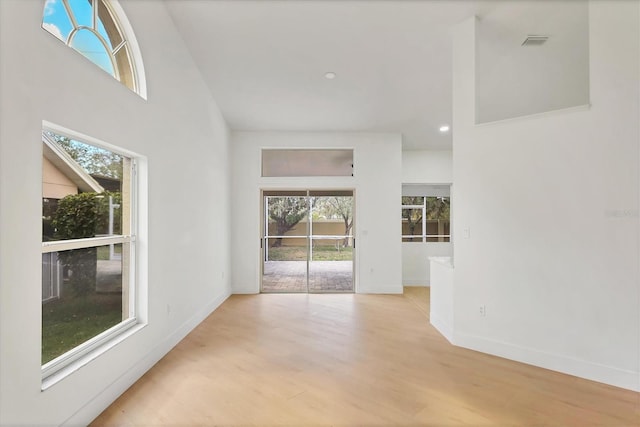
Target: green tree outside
[
  {"x": 77, "y": 218},
  {"x": 286, "y": 212},
  {"x": 338, "y": 207}
]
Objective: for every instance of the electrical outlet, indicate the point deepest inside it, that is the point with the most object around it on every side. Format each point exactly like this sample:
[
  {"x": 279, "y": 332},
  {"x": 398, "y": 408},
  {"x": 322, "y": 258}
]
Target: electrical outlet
[{"x": 483, "y": 311}]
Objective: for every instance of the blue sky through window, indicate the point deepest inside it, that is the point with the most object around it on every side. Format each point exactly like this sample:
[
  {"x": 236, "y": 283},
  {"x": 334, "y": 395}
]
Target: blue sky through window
[
  {"x": 103, "y": 33},
  {"x": 88, "y": 44},
  {"x": 82, "y": 12},
  {"x": 56, "y": 21}
]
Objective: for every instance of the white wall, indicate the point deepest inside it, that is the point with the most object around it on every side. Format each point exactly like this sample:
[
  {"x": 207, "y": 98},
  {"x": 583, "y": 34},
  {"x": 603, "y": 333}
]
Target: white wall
[
  {"x": 441, "y": 296},
  {"x": 427, "y": 167},
  {"x": 514, "y": 80},
  {"x": 182, "y": 134},
  {"x": 551, "y": 204},
  {"x": 415, "y": 260},
  {"x": 376, "y": 181},
  {"x": 424, "y": 167}
]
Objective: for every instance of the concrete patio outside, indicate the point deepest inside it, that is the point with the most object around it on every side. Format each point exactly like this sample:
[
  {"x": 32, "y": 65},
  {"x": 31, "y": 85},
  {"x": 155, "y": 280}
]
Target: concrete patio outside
[{"x": 291, "y": 276}]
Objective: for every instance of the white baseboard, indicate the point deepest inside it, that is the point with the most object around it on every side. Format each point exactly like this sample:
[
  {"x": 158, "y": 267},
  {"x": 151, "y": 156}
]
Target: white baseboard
[
  {"x": 415, "y": 282},
  {"x": 96, "y": 406},
  {"x": 245, "y": 291},
  {"x": 629, "y": 380},
  {"x": 443, "y": 327}
]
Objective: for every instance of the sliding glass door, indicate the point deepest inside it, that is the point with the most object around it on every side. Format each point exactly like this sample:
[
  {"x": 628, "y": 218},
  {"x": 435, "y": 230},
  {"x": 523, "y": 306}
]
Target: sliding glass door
[
  {"x": 307, "y": 242},
  {"x": 284, "y": 244}
]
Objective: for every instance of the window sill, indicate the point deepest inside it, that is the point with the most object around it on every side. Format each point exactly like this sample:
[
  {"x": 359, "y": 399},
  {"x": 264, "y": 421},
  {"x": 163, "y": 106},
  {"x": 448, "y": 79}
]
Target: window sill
[{"x": 58, "y": 376}]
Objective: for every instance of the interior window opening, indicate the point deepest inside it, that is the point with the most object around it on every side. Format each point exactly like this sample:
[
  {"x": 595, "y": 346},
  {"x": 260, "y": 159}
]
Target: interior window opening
[{"x": 426, "y": 211}]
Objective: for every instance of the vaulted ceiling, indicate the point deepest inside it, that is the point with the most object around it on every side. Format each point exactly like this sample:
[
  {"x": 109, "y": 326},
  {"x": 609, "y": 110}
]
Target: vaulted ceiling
[{"x": 265, "y": 63}]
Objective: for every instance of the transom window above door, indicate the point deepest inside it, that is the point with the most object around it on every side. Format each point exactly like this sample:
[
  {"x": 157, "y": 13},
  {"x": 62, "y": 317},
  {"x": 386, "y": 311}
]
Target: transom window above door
[{"x": 307, "y": 162}]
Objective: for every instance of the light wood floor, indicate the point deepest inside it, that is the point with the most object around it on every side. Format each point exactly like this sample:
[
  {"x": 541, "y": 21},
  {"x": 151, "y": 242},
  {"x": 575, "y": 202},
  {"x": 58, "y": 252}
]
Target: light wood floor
[{"x": 338, "y": 360}]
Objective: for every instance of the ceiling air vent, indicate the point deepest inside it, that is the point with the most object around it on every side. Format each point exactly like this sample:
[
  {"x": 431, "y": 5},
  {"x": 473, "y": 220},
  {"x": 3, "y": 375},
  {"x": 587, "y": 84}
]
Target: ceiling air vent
[{"x": 535, "y": 40}]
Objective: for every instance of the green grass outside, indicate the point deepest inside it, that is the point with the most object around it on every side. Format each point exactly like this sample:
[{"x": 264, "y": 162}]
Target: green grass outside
[
  {"x": 70, "y": 321},
  {"x": 103, "y": 251},
  {"x": 320, "y": 253}
]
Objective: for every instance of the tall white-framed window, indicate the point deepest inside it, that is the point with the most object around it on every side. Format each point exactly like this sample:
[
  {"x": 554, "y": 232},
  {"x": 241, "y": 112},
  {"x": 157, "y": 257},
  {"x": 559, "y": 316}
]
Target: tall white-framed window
[
  {"x": 100, "y": 31},
  {"x": 89, "y": 234},
  {"x": 426, "y": 213}
]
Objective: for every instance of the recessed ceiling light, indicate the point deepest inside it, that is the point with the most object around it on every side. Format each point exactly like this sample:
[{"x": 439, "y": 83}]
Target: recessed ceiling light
[
  {"x": 330, "y": 75},
  {"x": 444, "y": 128}
]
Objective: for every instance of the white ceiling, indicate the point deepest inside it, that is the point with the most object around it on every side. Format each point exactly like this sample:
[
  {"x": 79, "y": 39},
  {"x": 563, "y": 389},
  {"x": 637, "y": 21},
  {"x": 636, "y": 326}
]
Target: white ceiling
[{"x": 265, "y": 61}]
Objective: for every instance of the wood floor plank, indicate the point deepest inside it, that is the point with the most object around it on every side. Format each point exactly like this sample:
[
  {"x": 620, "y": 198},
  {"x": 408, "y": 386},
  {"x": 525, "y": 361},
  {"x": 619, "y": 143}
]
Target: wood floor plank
[{"x": 349, "y": 359}]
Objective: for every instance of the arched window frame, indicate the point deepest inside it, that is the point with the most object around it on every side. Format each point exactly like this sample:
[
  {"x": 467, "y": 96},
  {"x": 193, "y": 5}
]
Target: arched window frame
[{"x": 111, "y": 14}]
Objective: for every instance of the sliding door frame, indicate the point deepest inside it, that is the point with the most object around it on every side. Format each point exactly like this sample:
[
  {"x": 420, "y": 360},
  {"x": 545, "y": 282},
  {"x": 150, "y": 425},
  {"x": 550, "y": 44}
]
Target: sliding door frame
[{"x": 307, "y": 191}]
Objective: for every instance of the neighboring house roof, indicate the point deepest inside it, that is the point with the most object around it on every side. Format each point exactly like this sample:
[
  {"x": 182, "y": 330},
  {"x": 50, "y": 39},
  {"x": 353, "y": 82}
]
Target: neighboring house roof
[
  {"x": 109, "y": 184},
  {"x": 69, "y": 167}
]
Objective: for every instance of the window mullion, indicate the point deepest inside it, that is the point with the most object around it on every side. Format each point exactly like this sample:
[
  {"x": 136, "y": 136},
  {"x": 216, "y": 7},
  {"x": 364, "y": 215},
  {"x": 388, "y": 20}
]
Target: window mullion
[
  {"x": 65, "y": 245},
  {"x": 94, "y": 13},
  {"x": 424, "y": 219},
  {"x": 117, "y": 48},
  {"x": 72, "y": 17}
]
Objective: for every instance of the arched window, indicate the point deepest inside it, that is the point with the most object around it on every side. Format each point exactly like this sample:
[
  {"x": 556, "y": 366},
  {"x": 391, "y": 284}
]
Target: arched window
[{"x": 99, "y": 30}]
